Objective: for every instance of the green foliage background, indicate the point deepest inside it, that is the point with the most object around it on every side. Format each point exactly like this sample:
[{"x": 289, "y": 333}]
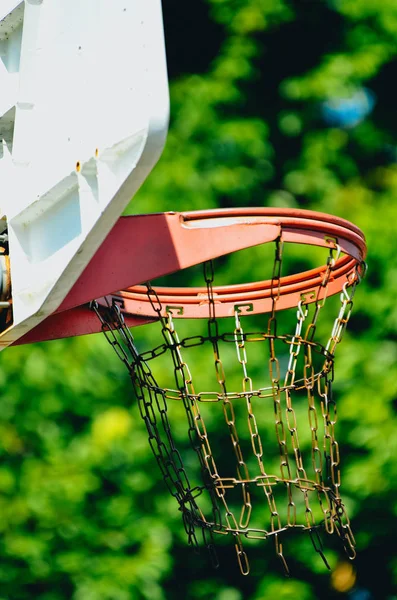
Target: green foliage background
[{"x": 84, "y": 514}]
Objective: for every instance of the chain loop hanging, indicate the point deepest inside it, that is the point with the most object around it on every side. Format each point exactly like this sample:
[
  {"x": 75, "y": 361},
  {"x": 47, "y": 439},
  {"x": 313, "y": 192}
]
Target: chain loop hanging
[{"x": 299, "y": 485}]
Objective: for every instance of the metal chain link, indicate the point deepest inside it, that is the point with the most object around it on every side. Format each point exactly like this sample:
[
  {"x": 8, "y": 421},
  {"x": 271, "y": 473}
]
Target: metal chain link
[
  {"x": 275, "y": 377},
  {"x": 289, "y": 382},
  {"x": 325, "y": 457},
  {"x": 167, "y": 456},
  {"x": 257, "y": 444},
  {"x": 229, "y": 414},
  {"x": 341, "y": 522},
  {"x": 197, "y": 431},
  {"x": 346, "y": 299},
  {"x": 322, "y": 290}
]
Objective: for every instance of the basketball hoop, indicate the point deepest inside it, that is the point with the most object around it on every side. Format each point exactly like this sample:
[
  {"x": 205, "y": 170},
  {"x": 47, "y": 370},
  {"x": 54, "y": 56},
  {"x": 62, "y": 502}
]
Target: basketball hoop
[{"x": 297, "y": 489}]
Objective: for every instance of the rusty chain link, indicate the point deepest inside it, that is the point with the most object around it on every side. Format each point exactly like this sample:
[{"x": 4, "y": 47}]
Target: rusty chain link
[
  {"x": 229, "y": 414},
  {"x": 308, "y": 479},
  {"x": 150, "y": 396}
]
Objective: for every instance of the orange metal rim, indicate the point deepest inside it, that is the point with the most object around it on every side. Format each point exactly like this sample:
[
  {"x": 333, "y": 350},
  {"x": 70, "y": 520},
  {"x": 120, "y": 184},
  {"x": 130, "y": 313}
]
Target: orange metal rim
[{"x": 296, "y": 226}]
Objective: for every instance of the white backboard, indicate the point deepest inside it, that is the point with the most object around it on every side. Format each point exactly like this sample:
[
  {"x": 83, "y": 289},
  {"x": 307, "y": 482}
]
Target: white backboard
[{"x": 83, "y": 120}]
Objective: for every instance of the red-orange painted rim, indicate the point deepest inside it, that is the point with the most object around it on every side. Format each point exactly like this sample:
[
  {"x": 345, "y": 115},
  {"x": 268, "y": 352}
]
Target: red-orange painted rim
[{"x": 296, "y": 226}]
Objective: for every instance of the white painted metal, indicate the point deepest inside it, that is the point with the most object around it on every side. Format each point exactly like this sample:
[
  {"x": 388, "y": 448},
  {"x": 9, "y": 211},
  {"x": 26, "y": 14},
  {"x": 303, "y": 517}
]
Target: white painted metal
[{"x": 83, "y": 120}]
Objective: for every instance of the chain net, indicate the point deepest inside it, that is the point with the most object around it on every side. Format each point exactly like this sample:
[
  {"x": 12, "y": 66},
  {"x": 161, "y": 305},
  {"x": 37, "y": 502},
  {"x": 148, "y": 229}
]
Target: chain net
[{"x": 295, "y": 488}]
